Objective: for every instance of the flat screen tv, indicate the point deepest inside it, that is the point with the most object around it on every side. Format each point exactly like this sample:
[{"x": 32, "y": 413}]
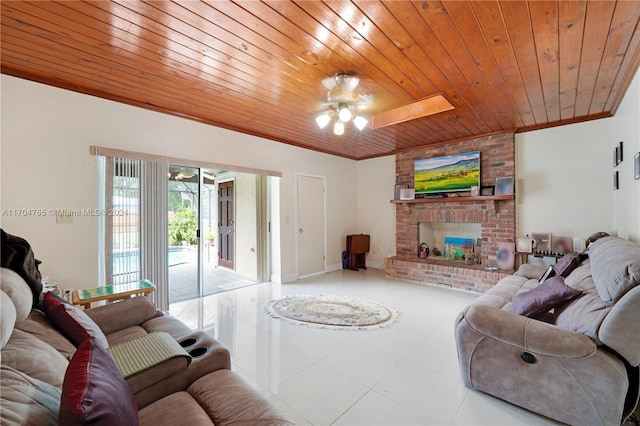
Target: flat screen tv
[{"x": 450, "y": 173}]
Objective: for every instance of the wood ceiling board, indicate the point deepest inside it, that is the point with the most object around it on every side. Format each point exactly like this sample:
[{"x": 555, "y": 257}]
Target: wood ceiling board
[
  {"x": 520, "y": 38},
  {"x": 544, "y": 20},
  {"x": 620, "y": 37},
  {"x": 596, "y": 29},
  {"x": 490, "y": 20},
  {"x": 471, "y": 35},
  {"x": 244, "y": 65},
  {"x": 365, "y": 55},
  {"x": 571, "y": 28},
  {"x": 461, "y": 68},
  {"x": 631, "y": 61},
  {"x": 422, "y": 52}
]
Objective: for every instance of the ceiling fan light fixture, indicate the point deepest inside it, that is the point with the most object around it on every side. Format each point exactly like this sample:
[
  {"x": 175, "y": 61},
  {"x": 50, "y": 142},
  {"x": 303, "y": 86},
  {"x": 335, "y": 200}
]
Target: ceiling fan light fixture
[
  {"x": 344, "y": 114},
  {"x": 323, "y": 119},
  {"x": 360, "y": 122},
  {"x": 342, "y": 104}
]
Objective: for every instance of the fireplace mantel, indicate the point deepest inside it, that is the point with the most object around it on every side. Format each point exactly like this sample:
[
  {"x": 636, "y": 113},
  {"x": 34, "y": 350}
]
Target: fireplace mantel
[
  {"x": 491, "y": 200},
  {"x": 455, "y": 199}
]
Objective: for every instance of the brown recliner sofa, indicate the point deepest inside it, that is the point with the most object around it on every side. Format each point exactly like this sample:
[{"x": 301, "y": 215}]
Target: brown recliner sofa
[
  {"x": 578, "y": 363},
  {"x": 196, "y": 390}
]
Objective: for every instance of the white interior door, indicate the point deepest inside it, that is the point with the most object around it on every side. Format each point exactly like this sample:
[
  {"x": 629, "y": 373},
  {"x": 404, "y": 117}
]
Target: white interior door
[{"x": 310, "y": 225}]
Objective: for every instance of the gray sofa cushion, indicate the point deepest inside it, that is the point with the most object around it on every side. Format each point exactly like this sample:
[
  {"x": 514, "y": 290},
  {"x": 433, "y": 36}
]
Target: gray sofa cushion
[
  {"x": 615, "y": 265},
  {"x": 586, "y": 313},
  {"x": 27, "y": 401},
  {"x": 18, "y": 291},
  {"x": 501, "y": 295},
  {"x": 38, "y": 325},
  {"x": 7, "y": 318},
  {"x": 32, "y": 356},
  {"x": 620, "y": 330}
]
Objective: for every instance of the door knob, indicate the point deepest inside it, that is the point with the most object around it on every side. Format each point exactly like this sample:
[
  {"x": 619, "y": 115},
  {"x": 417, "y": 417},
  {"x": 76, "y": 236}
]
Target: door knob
[{"x": 301, "y": 230}]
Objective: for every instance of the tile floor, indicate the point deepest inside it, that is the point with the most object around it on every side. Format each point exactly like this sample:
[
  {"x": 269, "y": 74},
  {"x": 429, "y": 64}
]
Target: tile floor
[{"x": 405, "y": 374}]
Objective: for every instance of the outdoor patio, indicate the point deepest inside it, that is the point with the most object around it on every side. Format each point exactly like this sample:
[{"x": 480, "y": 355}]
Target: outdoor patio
[{"x": 183, "y": 281}]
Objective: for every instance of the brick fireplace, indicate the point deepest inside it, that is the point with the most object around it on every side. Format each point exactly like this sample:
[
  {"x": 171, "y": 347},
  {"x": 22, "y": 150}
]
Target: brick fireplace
[{"x": 495, "y": 218}]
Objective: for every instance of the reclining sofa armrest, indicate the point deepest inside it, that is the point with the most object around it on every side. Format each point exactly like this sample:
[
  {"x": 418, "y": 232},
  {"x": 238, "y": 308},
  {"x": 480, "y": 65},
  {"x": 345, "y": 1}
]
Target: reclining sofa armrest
[
  {"x": 117, "y": 316},
  {"x": 527, "y": 333}
]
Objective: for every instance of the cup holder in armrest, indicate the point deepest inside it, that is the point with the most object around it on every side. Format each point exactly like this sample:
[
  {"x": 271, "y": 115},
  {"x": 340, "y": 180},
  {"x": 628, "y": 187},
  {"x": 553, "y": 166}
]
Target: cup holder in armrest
[
  {"x": 188, "y": 342},
  {"x": 198, "y": 352}
]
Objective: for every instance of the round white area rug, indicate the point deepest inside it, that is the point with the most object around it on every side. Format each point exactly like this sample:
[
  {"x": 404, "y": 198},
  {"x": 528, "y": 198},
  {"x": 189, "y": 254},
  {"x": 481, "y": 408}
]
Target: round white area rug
[{"x": 334, "y": 312}]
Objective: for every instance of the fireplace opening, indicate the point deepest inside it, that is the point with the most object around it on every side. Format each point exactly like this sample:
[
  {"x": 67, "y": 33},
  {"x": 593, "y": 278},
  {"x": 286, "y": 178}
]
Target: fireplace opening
[{"x": 462, "y": 240}]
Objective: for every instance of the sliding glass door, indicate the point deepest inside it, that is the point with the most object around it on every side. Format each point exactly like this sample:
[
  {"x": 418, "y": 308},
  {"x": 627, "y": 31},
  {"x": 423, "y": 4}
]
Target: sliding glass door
[
  {"x": 183, "y": 251},
  {"x": 192, "y": 231},
  {"x": 193, "y": 255}
]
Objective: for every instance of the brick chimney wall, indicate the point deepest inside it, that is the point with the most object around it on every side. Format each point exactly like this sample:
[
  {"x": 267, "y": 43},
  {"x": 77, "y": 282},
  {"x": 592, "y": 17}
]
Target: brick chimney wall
[{"x": 497, "y": 218}]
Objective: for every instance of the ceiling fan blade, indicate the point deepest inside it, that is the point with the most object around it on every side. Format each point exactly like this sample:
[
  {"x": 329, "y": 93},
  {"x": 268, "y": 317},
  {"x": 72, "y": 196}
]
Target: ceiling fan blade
[{"x": 425, "y": 107}]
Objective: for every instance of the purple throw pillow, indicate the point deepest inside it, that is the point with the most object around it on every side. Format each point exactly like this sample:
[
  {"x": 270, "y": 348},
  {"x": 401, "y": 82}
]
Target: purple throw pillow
[
  {"x": 94, "y": 392},
  {"x": 553, "y": 292},
  {"x": 566, "y": 264}
]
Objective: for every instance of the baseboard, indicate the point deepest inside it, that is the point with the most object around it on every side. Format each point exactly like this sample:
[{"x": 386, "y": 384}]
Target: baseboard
[
  {"x": 288, "y": 278},
  {"x": 334, "y": 267},
  {"x": 275, "y": 278},
  {"x": 375, "y": 265}
]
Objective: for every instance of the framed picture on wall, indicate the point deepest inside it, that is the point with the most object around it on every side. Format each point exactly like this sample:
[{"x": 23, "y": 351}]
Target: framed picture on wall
[
  {"x": 541, "y": 241},
  {"x": 504, "y": 185},
  {"x": 562, "y": 244},
  {"x": 616, "y": 180},
  {"x": 505, "y": 258},
  {"x": 398, "y": 191},
  {"x": 487, "y": 190},
  {"x": 619, "y": 156}
]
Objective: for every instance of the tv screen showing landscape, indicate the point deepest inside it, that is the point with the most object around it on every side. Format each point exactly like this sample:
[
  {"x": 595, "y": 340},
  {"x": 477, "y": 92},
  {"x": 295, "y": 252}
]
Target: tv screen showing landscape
[{"x": 450, "y": 173}]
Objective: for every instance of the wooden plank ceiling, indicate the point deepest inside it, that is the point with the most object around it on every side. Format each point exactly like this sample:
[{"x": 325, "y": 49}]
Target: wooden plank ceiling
[{"x": 257, "y": 67}]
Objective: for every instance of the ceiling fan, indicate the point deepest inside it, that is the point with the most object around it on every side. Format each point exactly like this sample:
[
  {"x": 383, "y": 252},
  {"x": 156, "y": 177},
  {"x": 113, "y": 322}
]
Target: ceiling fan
[{"x": 343, "y": 103}]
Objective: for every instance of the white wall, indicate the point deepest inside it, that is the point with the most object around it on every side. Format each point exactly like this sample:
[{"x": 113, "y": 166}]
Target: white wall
[
  {"x": 626, "y": 128},
  {"x": 564, "y": 183},
  {"x": 45, "y": 138},
  {"x": 565, "y": 176},
  {"x": 376, "y": 214}
]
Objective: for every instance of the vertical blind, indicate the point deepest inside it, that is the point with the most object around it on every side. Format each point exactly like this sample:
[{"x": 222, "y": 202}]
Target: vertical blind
[
  {"x": 153, "y": 235},
  {"x": 124, "y": 220},
  {"x": 134, "y": 229}
]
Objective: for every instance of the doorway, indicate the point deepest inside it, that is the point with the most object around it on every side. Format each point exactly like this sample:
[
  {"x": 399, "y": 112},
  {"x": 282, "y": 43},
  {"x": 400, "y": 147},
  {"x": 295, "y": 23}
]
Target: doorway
[
  {"x": 213, "y": 231},
  {"x": 310, "y": 196}
]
